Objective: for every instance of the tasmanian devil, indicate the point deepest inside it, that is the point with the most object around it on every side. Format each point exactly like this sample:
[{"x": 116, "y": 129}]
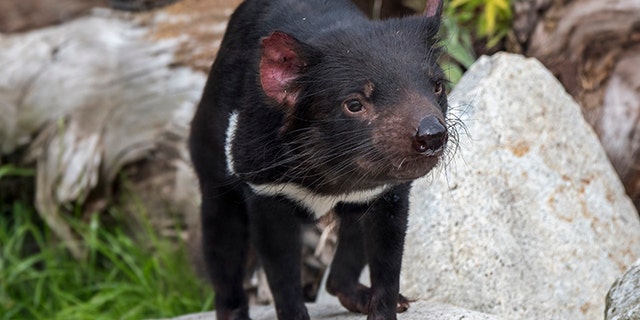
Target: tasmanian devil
[{"x": 309, "y": 107}]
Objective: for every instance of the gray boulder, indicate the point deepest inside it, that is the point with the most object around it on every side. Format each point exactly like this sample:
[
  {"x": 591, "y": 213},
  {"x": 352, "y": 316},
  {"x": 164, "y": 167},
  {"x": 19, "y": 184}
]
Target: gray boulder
[
  {"x": 623, "y": 300},
  {"x": 421, "y": 310},
  {"x": 527, "y": 219}
]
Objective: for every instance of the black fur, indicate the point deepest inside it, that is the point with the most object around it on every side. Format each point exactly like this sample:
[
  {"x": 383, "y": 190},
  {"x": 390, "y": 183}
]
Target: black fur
[{"x": 332, "y": 103}]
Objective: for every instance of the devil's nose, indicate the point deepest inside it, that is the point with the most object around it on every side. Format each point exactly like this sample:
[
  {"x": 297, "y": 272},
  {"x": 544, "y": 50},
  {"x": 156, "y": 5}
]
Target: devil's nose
[{"x": 431, "y": 136}]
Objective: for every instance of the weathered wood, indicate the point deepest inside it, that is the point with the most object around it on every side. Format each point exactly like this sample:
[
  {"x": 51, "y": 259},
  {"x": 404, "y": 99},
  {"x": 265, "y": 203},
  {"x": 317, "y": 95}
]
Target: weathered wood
[
  {"x": 24, "y": 15},
  {"x": 619, "y": 123},
  {"x": 100, "y": 92},
  {"x": 592, "y": 47}
]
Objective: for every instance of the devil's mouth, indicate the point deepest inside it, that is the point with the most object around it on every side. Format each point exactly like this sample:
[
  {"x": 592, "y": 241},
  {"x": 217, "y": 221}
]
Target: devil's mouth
[
  {"x": 414, "y": 167},
  {"x": 373, "y": 170},
  {"x": 400, "y": 168}
]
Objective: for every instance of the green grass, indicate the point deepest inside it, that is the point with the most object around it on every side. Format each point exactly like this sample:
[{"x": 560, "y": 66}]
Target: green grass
[{"x": 120, "y": 279}]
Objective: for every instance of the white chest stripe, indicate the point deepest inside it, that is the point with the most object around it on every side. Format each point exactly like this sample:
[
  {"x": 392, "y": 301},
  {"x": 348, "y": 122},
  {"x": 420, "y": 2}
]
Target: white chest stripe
[
  {"x": 318, "y": 204},
  {"x": 228, "y": 142}
]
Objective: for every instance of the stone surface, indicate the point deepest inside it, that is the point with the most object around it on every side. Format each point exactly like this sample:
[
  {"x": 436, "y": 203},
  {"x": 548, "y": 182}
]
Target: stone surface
[
  {"x": 527, "y": 220},
  {"x": 421, "y": 310},
  {"x": 623, "y": 300}
]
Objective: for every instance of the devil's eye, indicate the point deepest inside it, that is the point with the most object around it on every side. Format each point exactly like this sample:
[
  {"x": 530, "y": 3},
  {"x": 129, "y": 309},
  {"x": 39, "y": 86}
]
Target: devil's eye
[
  {"x": 353, "y": 105},
  {"x": 438, "y": 87}
]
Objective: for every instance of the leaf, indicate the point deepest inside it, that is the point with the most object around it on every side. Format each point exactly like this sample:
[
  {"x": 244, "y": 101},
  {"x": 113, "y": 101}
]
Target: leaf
[
  {"x": 453, "y": 72},
  {"x": 503, "y": 5},
  {"x": 457, "y": 3},
  {"x": 458, "y": 44},
  {"x": 490, "y": 15},
  {"x": 495, "y": 39},
  {"x": 11, "y": 170}
]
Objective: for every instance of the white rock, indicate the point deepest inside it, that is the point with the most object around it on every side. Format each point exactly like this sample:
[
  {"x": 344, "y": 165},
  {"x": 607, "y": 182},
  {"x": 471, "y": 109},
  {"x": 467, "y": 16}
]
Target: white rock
[{"x": 528, "y": 220}]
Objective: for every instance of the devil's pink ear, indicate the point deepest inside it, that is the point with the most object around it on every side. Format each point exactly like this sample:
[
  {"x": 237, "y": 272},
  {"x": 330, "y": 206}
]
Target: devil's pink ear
[
  {"x": 280, "y": 65},
  {"x": 433, "y": 8}
]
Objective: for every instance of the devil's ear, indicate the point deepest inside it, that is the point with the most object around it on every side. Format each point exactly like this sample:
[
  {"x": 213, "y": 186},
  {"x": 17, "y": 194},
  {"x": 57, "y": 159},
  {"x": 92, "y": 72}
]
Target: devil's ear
[
  {"x": 282, "y": 62},
  {"x": 431, "y": 19},
  {"x": 433, "y": 8}
]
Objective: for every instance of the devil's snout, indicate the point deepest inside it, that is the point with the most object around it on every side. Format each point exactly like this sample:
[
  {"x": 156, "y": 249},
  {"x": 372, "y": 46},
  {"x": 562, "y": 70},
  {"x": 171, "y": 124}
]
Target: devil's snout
[{"x": 431, "y": 136}]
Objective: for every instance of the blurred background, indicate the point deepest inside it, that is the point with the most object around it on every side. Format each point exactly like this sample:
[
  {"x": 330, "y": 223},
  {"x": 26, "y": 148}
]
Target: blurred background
[{"x": 98, "y": 203}]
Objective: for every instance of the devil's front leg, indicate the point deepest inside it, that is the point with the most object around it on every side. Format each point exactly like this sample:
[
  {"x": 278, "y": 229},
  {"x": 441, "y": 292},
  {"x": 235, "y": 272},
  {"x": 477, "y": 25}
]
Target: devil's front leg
[
  {"x": 385, "y": 226},
  {"x": 225, "y": 240},
  {"x": 275, "y": 235},
  {"x": 372, "y": 234}
]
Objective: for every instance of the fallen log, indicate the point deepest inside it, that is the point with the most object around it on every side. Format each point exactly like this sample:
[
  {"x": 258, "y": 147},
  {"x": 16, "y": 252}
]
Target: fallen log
[{"x": 97, "y": 93}]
